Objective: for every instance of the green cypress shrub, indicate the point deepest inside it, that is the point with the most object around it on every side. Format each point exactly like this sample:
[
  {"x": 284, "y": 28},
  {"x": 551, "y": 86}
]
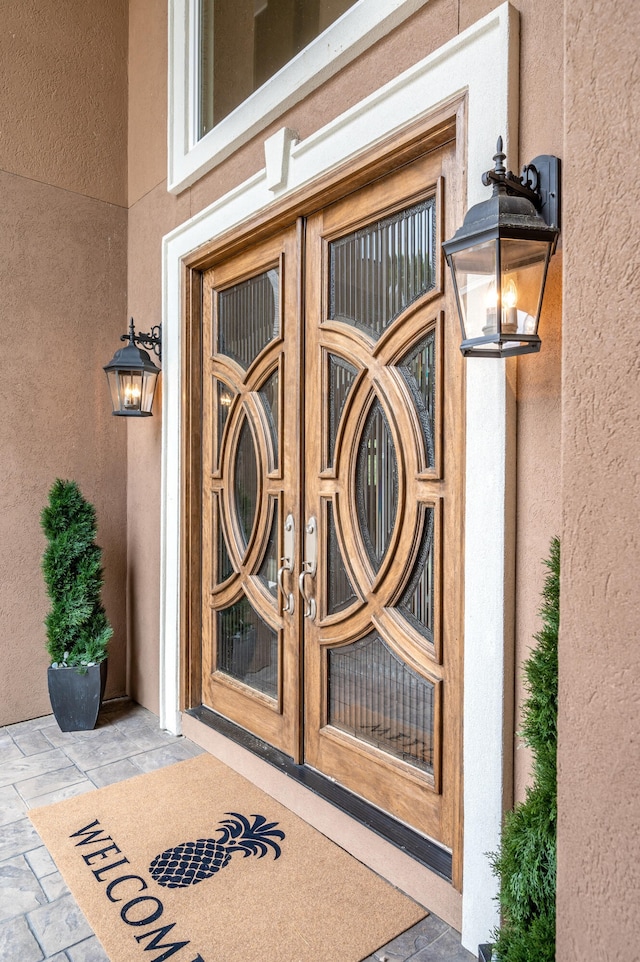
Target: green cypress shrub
[
  {"x": 78, "y": 632},
  {"x": 526, "y": 861}
]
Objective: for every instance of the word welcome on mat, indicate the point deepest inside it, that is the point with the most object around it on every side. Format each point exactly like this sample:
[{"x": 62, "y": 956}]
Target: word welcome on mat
[{"x": 193, "y": 863}]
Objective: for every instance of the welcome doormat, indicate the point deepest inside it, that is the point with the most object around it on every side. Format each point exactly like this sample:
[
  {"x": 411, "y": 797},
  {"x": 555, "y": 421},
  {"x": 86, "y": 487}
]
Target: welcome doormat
[{"x": 193, "y": 863}]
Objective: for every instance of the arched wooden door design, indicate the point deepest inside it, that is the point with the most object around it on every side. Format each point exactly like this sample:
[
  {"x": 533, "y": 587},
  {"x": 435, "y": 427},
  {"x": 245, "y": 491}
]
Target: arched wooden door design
[
  {"x": 251, "y": 485},
  {"x": 333, "y": 459}
]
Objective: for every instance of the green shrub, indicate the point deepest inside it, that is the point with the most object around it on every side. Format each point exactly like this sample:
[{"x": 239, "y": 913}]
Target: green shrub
[
  {"x": 526, "y": 861},
  {"x": 78, "y": 632}
]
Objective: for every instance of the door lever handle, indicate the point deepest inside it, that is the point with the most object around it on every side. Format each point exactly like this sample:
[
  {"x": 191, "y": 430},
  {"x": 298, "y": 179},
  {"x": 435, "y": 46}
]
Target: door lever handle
[
  {"x": 289, "y": 600},
  {"x": 309, "y": 566},
  {"x": 287, "y": 564},
  {"x": 309, "y": 600}
]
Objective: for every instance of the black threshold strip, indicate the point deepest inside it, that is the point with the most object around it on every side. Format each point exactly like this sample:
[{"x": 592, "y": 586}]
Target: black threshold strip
[{"x": 422, "y": 849}]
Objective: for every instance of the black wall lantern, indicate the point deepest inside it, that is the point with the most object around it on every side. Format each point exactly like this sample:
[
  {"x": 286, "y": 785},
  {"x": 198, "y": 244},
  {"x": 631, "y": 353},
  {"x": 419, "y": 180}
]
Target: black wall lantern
[
  {"x": 132, "y": 375},
  {"x": 500, "y": 255}
]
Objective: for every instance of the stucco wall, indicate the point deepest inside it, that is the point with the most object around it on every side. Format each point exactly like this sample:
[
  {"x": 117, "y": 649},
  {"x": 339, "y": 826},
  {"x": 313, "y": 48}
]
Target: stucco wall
[
  {"x": 63, "y": 295},
  {"x": 152, "y": 216},
  {"x": 64, "y": 91},
  {"x": 599, "y": 772}
]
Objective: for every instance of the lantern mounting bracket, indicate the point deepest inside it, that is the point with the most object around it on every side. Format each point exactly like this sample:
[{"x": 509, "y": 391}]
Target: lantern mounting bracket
[
  {"x": 539, "y": 182},
  {"x": 152, "y": 341}
]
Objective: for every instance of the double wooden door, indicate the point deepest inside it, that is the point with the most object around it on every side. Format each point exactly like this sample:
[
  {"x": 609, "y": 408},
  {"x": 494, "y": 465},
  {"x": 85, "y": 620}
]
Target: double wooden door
[{"x": 332, "y": 480}]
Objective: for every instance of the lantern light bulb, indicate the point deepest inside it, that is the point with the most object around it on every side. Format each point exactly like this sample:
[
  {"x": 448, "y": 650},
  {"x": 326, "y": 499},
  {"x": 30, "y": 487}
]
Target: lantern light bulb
[
  {"x": 132, "y": 396},
  {"x": 509, "y": 311},
  {"x": 509, "y": 294}
]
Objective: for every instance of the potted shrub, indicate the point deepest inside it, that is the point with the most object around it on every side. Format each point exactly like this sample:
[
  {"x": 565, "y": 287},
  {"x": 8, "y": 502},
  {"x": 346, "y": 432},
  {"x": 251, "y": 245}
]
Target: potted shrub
[{"x": 78, "y": 632}]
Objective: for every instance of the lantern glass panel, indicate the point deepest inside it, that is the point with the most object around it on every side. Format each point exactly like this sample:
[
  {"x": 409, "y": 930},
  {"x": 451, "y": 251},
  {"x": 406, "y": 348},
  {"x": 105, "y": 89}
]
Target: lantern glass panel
[
  {"x": 112, "y": 380},
  {"x": 132, "y": 391},
  {"x": 149, "y": 381},
  {"x": 475, "y": 277},
  {"x": 524, "y": 266}
]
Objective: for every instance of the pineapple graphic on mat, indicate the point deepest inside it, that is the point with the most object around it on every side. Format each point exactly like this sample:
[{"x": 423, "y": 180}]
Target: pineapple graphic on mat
[{"x": 192, "y": 862}]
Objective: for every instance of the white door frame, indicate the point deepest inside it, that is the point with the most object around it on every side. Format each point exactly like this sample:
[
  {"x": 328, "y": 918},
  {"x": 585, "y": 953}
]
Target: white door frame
[{"x": 482, "y": 62}]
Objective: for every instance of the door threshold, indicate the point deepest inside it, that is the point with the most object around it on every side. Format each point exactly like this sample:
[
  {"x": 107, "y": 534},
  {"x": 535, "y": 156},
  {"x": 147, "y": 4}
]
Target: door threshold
[{"x": 423, "y": 850}]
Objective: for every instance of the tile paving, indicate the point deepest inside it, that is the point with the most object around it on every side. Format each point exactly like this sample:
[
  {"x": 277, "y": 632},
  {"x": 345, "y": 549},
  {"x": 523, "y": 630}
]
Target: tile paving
[{"x": 40, "y": 920}]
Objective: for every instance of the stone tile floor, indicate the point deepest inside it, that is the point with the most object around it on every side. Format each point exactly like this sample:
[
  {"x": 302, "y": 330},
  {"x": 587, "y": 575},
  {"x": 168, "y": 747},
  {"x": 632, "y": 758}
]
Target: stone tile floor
[{"x": 39, "y": 764}]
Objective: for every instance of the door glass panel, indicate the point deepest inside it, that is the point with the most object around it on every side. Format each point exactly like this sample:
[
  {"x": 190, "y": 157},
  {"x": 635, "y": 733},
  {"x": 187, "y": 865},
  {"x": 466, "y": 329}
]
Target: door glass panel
[
  {"x": 376, "y": 697},
  {"x": 224, "y": 566},
  {"x": 269, "y": 567},
  {"x": 341, "y": 377},
  {"x": 247, "y": 647},
  {"x": 340, "y": 591},
  {"x": 270, "y": 394},
  {"x": 416, "y": 603},
  {"x": 376, "y": 485},
  {"x": 249, "y": 317},
  {"x": 418, "y": 370},
  {"x": 224, "y": 397},
  {"x": 246, "y": 481},
  {"x": 378, "y": 271}
]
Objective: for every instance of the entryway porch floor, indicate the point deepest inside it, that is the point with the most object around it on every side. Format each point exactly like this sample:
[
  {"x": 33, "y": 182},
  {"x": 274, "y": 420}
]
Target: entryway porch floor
[{"x": 39, "y": 919}]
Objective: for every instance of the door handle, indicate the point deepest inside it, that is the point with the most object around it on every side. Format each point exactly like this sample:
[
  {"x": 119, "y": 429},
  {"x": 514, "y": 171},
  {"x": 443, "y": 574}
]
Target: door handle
[
  {"x": 287, "y": 564},
  {"x": 309, "y": 566}
]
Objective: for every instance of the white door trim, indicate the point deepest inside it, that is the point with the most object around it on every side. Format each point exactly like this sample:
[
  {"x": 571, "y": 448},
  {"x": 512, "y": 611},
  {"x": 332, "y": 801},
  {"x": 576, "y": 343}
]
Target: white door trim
[{"x": 483, "y": 62}]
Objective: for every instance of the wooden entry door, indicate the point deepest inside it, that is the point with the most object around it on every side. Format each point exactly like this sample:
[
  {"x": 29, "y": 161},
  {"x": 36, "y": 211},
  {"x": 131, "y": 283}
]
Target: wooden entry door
[
  {"x": 383, "y": 481},
  {"x": 357, "y": 451},
  {"x": 251, "y": 490}
]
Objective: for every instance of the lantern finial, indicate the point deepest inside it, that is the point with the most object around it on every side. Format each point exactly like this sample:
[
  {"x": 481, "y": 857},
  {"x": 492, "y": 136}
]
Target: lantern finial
[{"x": 499, "y": 158}]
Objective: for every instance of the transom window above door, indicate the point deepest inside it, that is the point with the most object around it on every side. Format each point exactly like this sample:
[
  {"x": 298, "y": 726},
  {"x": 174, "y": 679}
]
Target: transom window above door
[
  {"x": 243, "y": 43},
  {"x": 235, "y": 66}
]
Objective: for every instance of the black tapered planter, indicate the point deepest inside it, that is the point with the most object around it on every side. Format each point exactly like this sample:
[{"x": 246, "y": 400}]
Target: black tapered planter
[{"x": 76, "y": 697}]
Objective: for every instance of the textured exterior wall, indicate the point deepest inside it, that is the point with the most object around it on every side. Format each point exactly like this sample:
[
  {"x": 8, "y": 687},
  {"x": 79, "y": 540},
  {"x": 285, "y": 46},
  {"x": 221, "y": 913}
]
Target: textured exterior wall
[
  {"x": 64, "y": 94},
  {"x": 147, "y": 140},
  {"x": 156, "y": 213},
  {"x": 63, "y": 295},
  {"x": 599, "y": 772}
]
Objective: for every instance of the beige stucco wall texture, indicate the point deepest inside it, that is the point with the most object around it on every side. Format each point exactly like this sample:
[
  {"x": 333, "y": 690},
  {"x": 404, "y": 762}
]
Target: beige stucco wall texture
[
  {"x": 155, "y": 213},
  {"x": 63, "y": 296},
  {"x": 599, "y": 723}
]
